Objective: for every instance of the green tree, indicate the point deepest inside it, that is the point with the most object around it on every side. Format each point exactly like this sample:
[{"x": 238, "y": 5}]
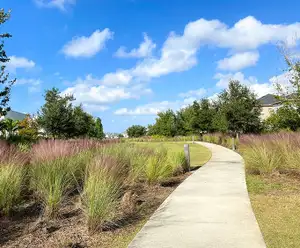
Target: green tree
[
  {"x": 286, "y": 117},
  {"x": 136, "y": 131},
  {"x": 56, "y": 115},
  {"x": 240, "y": 108},
  {"x": 165, "y": 124},
  {"x": 206, "y": 115},
  {"x": 83, "y": 122},
  {"x": 28, "y": 129},
  {"x": 5, "y": 83},
  {"x": 10, "y": 126},
  {"x": 97, "y": 129},
  {"x": 219, "y": 122}
]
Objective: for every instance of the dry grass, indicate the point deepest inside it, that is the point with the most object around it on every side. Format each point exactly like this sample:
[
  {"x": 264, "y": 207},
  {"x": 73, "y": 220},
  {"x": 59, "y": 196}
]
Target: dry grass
[
  {"x": 273, "y": 166},
  {"x": 276, "y": 203}
]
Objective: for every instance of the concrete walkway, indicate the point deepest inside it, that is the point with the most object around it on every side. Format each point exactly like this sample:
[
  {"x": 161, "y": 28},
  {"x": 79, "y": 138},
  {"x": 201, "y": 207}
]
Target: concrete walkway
[{"x": 210, "y": 209}]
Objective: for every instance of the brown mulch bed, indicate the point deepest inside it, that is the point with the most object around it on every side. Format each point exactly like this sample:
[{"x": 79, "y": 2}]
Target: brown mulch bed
[{"x": 26, "y": 227}]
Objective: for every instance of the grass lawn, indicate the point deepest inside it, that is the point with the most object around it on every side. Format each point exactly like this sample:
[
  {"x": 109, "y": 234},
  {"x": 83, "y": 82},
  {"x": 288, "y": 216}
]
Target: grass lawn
[
  {"x": 199, "y": 154},
  {"x": 276, "y": 203}
]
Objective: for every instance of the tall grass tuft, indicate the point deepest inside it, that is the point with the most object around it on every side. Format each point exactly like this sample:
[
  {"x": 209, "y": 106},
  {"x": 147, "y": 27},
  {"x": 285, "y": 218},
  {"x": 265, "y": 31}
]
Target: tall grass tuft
[
  {"x": 53, "y": 173},
  {"x": 271, "y": 152},
  {"x": 178, "y": 162},
  {"x": 11, "y": 176},
  {"x": 101, "y": 190},
  {"x": 158, "y": 167}
]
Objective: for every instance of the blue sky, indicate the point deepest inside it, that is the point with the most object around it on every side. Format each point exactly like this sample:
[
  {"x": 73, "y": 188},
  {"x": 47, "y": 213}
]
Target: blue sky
[{"x": 126, "y": 60}]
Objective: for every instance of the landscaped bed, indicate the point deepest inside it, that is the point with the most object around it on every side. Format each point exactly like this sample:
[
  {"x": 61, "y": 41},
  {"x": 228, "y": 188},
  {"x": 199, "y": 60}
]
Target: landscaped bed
[
  {"x": 273, "y": 179},
  {"x": 84, "y": 193}
]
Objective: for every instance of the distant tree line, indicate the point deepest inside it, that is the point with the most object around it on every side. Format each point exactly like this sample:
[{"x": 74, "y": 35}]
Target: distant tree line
[{"x": 235, "y": 110}]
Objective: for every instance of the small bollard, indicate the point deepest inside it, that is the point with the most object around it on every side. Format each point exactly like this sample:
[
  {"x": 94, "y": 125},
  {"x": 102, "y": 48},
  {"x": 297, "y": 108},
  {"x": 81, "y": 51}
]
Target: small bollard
[
  {"x": 193, "y": 139},
  {"x": 233, "y": 145},
  {"x": 187, "y": 156}
]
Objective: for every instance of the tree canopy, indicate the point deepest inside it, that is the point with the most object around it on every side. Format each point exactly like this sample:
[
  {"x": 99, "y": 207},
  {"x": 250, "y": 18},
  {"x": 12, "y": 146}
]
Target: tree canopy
[
  {"x": 5, "y": 82},
  {"x": 236, "y": 110},
  {"x": 136, "y": 131},
  {"x": 60, "y": 119}
]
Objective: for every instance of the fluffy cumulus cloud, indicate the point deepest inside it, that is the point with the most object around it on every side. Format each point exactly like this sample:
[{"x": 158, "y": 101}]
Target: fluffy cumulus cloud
[
  {"x": 33, "y": 84},
  {"x": 87, "y": 46},
  {"x": 179, "y": 51},
  {"x": 59, "y": 4},
  {"x": 239, "y": 61},
  {"x": 121, "y": 77},
  {"x": 260, "y": 89},
  {"x": 19, "y": 63},
  {"x": 155, "y": 107},
  {"x": 194, "y": 93},
  {"x": 145, "y": 49},
  {"x": 223, "y": 79},
  {"x": 95, "y": 96}
]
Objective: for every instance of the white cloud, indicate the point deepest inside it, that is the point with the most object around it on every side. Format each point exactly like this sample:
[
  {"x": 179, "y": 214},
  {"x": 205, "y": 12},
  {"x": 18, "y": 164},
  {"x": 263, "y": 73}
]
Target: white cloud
[
  {"x": 225, "y": 78},
  {"x": 59, "y": 4},
  {"x": 28, "y": 81},
  {"x": 94, "y": 107},
  {"x": 19, "y": 62},
  {"x": 239, "y": 61},
  {"x": 194, "y": 93},
  {"x": 87, "y": 46},
  {"x": 179, "y": 52},
  {"x": 34, "y": 85},
  {"x": 121, "y": 77},
  {"x": 145, "y": 49},
  {"x": 155, "y": 107},
  {"x": 260, "y": 89},
  {"x": 91, "y": 93}
]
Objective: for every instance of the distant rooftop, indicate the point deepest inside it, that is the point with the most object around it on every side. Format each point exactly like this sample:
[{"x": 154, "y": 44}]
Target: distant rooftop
[
  {"x": 15, "y": 115},
  {"x": 268, "y": 100}
]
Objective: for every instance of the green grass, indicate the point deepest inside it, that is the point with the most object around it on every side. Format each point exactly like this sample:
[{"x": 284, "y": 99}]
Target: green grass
[
  {"x": 199, "y": 154},
  {"x": 275, "y": 201}
]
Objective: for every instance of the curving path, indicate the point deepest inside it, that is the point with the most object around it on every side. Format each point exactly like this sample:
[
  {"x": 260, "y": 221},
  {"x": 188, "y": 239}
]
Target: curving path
[{"x": 210, "y": 209}]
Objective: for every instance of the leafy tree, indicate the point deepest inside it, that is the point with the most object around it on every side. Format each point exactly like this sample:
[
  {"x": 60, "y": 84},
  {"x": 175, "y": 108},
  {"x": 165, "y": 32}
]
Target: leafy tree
[
  {"x": 219, "y": 122},
  {"x": 205, "y": 116},
  {"x": 97, "y": 129},
  {"x": 5, "y": 83},
  {"x": 187, "y": 115},
  {"x": 286, "y": 117},
  {"x": 83, "y": 122},
  {"x": 165, "y": 124},
  {"x": 10, "y": 126},
  {"x": 56, "y": 115},
  {"x": 241, "y": 108},
  {"x": 28, "y": 128},
  {"x": 136, "y": 131}
]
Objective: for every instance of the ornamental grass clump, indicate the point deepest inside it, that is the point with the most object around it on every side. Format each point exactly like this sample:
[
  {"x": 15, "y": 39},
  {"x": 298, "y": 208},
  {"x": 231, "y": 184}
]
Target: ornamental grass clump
[
  {"x": 12, "y": 173},
  {"x": 178, "y": 161},
  {"x": 264, "y": 154},
  {"x": 101, "y": 192},
  {"x": 158, "y": 167},
  {"x": 52, "y": 173}
]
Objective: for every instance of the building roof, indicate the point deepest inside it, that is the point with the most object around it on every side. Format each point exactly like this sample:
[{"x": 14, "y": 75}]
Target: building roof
[
  {"x": 268, "y": 100},
  {"x": 15, "y": 115}
]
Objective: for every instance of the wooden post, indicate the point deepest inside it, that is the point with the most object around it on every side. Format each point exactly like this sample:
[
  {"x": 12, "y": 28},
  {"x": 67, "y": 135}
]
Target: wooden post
[
  {"x": 233, "y": 145},
  {"x": 193, "y": 139},
  {"x": 187, "y": 156}
]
